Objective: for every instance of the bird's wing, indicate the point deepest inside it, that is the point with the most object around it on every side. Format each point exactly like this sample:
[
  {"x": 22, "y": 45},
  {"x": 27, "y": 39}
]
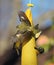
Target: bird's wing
[{"x": 23, "y": 18}]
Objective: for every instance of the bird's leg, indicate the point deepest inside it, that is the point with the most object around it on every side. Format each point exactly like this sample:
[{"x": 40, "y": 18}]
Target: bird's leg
[
  {"x": 39, "y": 49},
  {"x": 17, "y": 48}
]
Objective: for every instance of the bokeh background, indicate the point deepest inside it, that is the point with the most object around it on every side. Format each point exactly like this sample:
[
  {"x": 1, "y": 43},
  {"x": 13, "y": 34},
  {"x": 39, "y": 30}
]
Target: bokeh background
[{"x": 43, "y": 14}]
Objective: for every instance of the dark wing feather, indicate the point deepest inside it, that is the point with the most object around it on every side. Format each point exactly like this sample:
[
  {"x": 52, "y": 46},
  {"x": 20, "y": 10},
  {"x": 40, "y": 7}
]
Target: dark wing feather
[
  {"x": 24, "y": 37},
  {"x": 24, "y": 18}
]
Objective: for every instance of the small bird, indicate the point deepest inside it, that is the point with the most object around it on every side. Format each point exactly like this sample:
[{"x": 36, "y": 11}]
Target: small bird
[{"x": 25, "y": 31}]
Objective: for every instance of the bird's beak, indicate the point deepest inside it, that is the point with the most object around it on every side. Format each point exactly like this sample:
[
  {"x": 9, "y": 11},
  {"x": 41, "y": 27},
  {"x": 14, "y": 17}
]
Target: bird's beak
[{"x": 38, "y": 34}]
